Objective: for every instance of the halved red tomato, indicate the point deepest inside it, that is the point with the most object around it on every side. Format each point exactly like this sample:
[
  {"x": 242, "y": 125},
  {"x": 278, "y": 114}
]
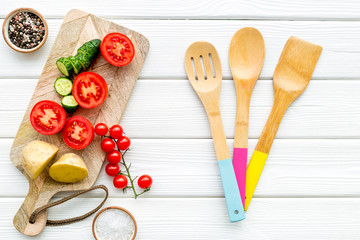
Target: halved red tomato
[
  {"x": 89, "y": 90},
  {"x": 117, "y": 49},
  {"x": 78, "y": 132},
  {"x": 47, "y": 117}
]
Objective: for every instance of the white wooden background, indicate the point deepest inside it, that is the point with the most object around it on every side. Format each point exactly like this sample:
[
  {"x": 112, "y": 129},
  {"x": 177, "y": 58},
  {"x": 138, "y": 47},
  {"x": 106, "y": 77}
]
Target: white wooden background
[{"x": 310, "y": 187}]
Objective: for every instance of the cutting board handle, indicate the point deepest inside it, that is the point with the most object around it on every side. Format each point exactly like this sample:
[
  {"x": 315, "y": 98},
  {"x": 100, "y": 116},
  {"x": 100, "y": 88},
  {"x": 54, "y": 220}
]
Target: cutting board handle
[
  {"x": 33, "y": 200},
  {"x": 32, "y": 224}
]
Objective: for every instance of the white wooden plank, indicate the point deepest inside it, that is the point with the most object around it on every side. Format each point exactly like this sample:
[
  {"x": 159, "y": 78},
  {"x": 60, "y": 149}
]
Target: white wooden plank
[
  {"x": 188, "y": 168},
  {"x": 169, "y": 40},
  {"x": 171, "y": 109},
  {"x": 258, "y": 9},
  {"x": 202, "y": 218}
]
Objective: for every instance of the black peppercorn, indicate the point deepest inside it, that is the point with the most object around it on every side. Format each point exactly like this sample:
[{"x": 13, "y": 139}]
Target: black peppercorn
[{"x": 25, "y": 28}]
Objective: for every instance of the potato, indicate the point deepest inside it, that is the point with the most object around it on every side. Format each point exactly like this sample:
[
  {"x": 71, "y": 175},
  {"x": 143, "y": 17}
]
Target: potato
[
  {"x": 36, "y": 156},
  {"x": 69, "y": 168}
]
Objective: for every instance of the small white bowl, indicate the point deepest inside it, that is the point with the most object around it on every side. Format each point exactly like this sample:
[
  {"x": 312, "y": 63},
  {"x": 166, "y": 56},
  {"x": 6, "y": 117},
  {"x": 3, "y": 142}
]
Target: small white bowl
[{"x": 5, "y": 30}]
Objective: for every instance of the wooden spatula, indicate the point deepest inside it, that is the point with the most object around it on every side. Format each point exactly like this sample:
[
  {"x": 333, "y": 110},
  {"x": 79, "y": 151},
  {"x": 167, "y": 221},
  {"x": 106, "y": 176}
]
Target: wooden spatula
[
  {"x": 203, "y": 68},
  {"x": 246, "y": 57},
  {"x": 292, "y": 75}
]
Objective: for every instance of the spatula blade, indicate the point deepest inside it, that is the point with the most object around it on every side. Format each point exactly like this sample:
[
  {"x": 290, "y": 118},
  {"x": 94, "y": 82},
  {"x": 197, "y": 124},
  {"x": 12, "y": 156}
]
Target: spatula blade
[{"x": 296, "y": 64}]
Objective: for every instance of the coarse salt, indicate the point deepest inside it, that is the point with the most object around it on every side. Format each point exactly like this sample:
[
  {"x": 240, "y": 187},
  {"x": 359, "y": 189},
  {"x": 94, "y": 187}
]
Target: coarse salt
[{"x": 114, "y": 224}]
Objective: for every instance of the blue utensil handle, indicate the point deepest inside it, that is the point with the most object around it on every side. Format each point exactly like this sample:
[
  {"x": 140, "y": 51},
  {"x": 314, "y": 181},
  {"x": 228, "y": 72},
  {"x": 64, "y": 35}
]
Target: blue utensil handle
[{"x": 231, "y": 190}]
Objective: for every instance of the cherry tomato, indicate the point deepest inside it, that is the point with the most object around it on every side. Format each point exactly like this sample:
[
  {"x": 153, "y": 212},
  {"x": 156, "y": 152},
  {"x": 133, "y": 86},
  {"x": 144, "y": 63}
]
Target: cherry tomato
[
  {"x": 114, "y": 157},
  {"x": 101, "y": 129},
  {"x": 78, "y": 132},
  {"x": 47, "y": 117},
  {"x": 120, "y": 181},
  {"x": 107, "y": 145},
  {"x": 123, "y": 143},
  {"x": 89, "y": 90},
  {"x": 145, "y": 181},
  {"x": 117, "y": 49},
  {"x": 116, "y": 132},
  {"x": 112, "y": 169}
]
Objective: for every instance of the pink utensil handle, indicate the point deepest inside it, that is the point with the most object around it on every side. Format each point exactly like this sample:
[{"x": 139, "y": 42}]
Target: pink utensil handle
[{"x": 239, "y": 164}]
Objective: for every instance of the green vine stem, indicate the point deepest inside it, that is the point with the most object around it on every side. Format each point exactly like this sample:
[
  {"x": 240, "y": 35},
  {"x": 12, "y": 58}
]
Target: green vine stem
[
  {"x": 127, "y": 168},
  {"x": 129, "y": 175}
]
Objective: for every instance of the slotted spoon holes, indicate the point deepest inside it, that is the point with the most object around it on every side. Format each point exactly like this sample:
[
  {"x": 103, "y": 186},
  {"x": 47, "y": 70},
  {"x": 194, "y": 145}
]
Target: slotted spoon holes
[
  {"x": 212, "y": 65},
  {"x": 203, "y": 67}
]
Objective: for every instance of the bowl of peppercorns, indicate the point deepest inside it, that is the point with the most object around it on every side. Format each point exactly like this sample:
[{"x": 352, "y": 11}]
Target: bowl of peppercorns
[{"x": 25, "y": 30}]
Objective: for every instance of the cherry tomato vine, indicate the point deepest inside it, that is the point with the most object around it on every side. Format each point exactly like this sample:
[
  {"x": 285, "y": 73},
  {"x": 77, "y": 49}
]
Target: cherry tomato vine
[{"x": 122, "y": 144}]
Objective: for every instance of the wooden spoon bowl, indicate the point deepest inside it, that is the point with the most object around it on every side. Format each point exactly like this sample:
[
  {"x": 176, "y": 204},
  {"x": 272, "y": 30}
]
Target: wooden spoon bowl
[{"x": 246, "y": 56}]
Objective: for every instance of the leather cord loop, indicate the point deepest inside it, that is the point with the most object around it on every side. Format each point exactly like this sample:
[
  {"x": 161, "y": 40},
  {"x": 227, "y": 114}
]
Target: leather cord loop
[{"x": 69, "y": 220}]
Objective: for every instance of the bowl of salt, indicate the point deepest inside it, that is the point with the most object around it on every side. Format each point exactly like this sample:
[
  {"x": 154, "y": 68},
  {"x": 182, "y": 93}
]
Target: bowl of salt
[{"x": 114, "y": 223}]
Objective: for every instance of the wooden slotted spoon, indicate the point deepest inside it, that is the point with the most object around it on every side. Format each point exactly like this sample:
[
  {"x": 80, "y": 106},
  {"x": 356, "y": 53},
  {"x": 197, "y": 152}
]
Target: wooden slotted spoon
[
  {"x": 207, "y": 85},
  {"x": 246, "y": 57},
  {"x": 292, "y": 75}
]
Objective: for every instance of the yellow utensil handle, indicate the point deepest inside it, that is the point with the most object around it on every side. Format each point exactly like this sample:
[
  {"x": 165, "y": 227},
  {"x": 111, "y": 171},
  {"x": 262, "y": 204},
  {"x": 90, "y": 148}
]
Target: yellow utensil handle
[{"x": 253, "y": 173}]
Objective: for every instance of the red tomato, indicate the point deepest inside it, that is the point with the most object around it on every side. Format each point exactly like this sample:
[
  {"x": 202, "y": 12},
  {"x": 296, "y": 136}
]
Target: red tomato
[
  {"x": 101, "y": 129},
  {"x": 116, "y": 131},
  {"x": 123, "y": 143},
  {"x": 112, "y": 169},
  {"x": 107, "y": 145},
  {"x": 78, "y": 132},
  {"x": 120, "y": 181},
  {"x": 145, "y": 181},
  {"x": 117, "y": 49},
  {"x": 89, "y": 90},
  {"x": 48, "y": 117},
  {"x": 114, "y": 157}
]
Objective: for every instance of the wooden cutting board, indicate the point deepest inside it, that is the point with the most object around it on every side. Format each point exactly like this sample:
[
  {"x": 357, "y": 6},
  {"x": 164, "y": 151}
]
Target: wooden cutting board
[{"x": 78, "y": 27}]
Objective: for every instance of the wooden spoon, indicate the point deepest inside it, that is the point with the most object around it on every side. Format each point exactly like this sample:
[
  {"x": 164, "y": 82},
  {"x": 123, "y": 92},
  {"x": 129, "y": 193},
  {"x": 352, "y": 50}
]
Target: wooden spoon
[
  {"x": 292, "y": 75},
  {"x": 203, "y": 68},
  {"x": 246, "y": 57}
]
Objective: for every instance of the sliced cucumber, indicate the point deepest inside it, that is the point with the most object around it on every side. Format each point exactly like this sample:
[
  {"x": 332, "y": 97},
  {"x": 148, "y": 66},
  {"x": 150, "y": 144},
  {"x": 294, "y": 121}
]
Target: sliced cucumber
[
  {"x": 87, "y": 49},
  {"x": 63, "y": 86},
  {"x": 69, "y": 104},
  {"x": 84, "y": 61},
  {"x": 90, "y": 49},
  {"x": 93, "y": 50},
  {"x": 96, "y": 43},
  {"x": 77, "y": 67},
  {"x": 84, "y": 50},
  {"x": 65, "y": 66}
]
